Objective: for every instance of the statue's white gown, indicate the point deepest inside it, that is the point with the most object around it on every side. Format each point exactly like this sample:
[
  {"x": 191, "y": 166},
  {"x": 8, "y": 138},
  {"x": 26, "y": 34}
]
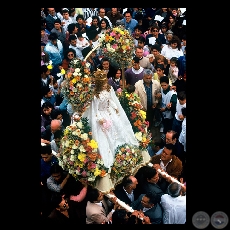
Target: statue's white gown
[{"x": 117, "y": 130}]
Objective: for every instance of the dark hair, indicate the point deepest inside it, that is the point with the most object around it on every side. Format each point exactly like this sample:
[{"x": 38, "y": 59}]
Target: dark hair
[
  {"x": 44, "y": 90},
  {"x": 155, "y": 46},
  {"x": 85, "y": 51},
  {"x": 56, "y": 199},
  {"x": 46, "y": 149},
  {"x": 44, "y": 69},
  {"x": 92, "y": 194},
  {"x": 53, "y": 36},
  {"x": 139, "y": 27},
  {"x": 72, "y": 37},
  {"x": 119, "y": 216},
  {"x": 183, "y": 111},
  {"x": 79, "y": 16},
  {"x": 136, "y": 59},
  {"x": 47, "y": 105},
  {"x": 130, "y": 88},
  {"x": 170, "y": 147},
  {"x": 96, "y": 17},
  {"x": 164, "y": 79},
  {"x": 54, "y": 80},
  {"x": 71, "y": 27},
  {"x": 58, "y": 20},
  {"x": 161, "y": 66},
  {"x": 58, "y": 134},
  {"x": 56, "y": 168},
  {"x": 153, "y": 197},
  {"x": 126, "y": 181},
  {"x": 181, "y": 95},
  {"x": 106, "y": 22},
  {"x": 141, "y": 39},
  {"x": 54, "y": 114},
  {"x": 69, "y": 50}
]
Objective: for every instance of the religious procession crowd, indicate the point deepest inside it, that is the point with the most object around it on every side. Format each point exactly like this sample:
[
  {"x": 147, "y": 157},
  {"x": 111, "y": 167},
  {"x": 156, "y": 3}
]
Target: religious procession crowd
[{"x": 113, "y": 116}]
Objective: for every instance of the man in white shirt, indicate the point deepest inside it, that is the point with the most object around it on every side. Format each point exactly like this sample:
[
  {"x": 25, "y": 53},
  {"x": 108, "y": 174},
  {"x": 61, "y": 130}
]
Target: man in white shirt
[
  {"x": 174, "y": 205},
  {"x": 101, "y": 14}
]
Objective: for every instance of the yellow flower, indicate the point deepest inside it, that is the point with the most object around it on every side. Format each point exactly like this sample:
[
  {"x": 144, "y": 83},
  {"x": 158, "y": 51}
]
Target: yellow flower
[
  {"x": 93, "y": 144},
  {"x": 66, "y": 132},
  {"x": 81, "y": 156},
  {"x": 49, "y": 66},
  {"x": 97, "y": 172},
  {"x": 143, "y": 114},
  {"x": 74, "y": 80},
  {"x": 62, "y": 71}
]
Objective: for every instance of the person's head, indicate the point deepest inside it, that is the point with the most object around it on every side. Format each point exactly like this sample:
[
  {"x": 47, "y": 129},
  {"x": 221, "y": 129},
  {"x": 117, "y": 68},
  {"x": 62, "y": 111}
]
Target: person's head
[
  {"x": 155, "y": 49},
  {"x": 174, "y": 189},
  {"x": 136, "y": 63},
  {"x": 181, "y": 96},
  {"x": 164, "y": 28},
  {"x": 151, "y": 175},
  {"x": 167, "y": 152},
  {"x": 43, "y": 32},
  {"x": 103, "y": 24},
  {"x": 92, "y": 34},
  {"x": 59, "y": 202},
  {"x": 183, "y": 111},
  {"x": 148, "y": 76},
  {"x": 160, "y": 70},
  {"x": 95, "y": 21},
  {"x": 120, "y": 216},
  {"x": 73, "y": 40},
  {"x": 128, "y": 16},
  {"x": 183, "y": 40},
  {"x": 72, "y": 28},
  {"x": 138, "y": 30},
  {"x": 51, "y": 11},
  {"x": 105, "y": 63},
  {"x": 173, "y": 61},
  {"x": 150, "y": 199},
  {"x": 94, "y": 195},
  {"x": 55, "y": 125},
  {"x": 150, "y": 57},
  {"x": 118, "y": 73},
  {"x": 80, "y": 36},
  {"x": 175, "y": 42},
  {"x": 80, "y": 19},
  {"x": 57, "y": 23},
  {"x": 55, "y": 82},
  {"x": 65, "y": 13},
  {"x": 130, "y": 88},
  {"x": 47, "y": 108},
  {"x": 70, "y": 54},
  {"x": 114, "y": 12},
  {"x": 56, "y": 114},
  {"x": 171, "y": 137},
  {"x": 46, "y": 152},
  {"x": 169, "y": 35},
  {"x": 164, "y": 82},
  {"x": 141, "y": 42},
  {"x": 45, "y": 72},
  {"x": 46, "y": 91},
  {"x": 53, "y": 38},
  {"x": 58, "y": 136},
  {"x": 101, "y": 12},
  {"x": 72, "y": 12},
  {"x": 101, "y": 82},
  {"x": 160, "y": 59},
  {"x": 139, "y": 52},
  {"x": 155, "y": 30},
  {"x": 129, "y": 182},
  {"x": 56, "y": 171}
]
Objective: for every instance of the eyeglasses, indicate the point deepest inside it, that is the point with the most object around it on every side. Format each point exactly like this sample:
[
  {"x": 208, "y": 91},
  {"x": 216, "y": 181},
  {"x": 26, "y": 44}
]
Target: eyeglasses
[
  {"x": 155, "y": 30},
  {"x": 70, "y": 55}
]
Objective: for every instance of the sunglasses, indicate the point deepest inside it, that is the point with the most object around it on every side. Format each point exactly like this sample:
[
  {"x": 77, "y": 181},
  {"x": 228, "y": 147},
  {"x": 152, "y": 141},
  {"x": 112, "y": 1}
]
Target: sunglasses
[
  {"x": 70, "y": 55},
  {"x": 155, "y": 30}
]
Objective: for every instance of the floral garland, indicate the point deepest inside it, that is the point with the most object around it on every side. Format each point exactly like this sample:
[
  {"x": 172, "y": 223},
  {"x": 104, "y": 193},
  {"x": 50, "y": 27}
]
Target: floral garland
[
  {"x": 126, "y": 159},
  {"x": 118, "y": 45},
  {"x": 79, "y": 154},
  {"x": 133, "y": 109},
  {"x": 78, "y": 87}
]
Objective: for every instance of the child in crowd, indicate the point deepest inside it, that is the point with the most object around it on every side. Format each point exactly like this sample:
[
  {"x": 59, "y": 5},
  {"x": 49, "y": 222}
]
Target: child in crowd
[
  {"x": 173, "y": 70},
  {"x": 82, "y": 42}
]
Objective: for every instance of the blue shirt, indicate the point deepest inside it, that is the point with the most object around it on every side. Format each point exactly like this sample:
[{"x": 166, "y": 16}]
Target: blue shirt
[{"x": 130, "y": 25}]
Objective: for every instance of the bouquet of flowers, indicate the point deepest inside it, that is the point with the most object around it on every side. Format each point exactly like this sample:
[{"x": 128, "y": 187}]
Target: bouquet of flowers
[
  {"x": 79, "y": 154},
  {"x": 126, "y": 159},
  {"x": 118, "y": 45},
  {"x": 133, "y": 109},
  {"x": 77, "y": 87}
]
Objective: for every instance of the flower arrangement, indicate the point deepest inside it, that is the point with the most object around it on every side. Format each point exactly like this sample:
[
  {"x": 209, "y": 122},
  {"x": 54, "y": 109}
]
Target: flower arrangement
[
  {"x": 79, "y": 154},
  {"x": 126, "y": 159},
  {"x": 78, "y": 88},
  {"x": 118, "y": 45},
  {"x": 133, "y": 109}
]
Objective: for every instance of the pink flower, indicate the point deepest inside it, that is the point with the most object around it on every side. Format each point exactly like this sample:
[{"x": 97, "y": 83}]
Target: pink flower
[
  {"x": 107, "y": 124},
  {"x": 119, "y": 90}
]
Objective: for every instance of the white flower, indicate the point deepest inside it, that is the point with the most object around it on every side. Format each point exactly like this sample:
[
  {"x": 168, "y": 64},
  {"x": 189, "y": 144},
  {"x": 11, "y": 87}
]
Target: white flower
[
  {"x": 71, "y": 171},
  {"x": 79, "y": 85},
  {"x": 72, "y": 158},
  {"x": 86, "y": 76},
  {"x": 127, "y": 41},
  {"x": 82, "y": 149},
  {"x": 64, "y": 157},
  {"x": 84, "y": 136},
  {"x": 74, "y": 147},
  {"x": 92, "y": 178},
  {"x": 72, "y": 151},
  {"x": 77, "y": 172},
  {"x": 87, "y": 65},
  {"x": 77, "y": 70},
  {"x": 67, "y": 143},
  {"x": 79, "y": 124},
  {"x": 138, "y": 135},
  {"x": 74, "y": 90}
]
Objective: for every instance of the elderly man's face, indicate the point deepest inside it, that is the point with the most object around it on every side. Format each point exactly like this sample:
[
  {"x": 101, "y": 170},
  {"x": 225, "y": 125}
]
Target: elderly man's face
[{"x": 56, "y": 125}]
